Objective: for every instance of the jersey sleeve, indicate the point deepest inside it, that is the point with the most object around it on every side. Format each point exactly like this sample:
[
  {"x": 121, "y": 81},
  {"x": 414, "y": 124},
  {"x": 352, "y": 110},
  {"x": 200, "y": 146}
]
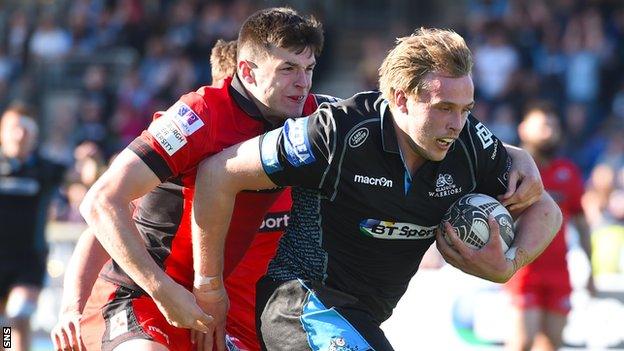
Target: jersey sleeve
[
  {"x": 174, "y": 141},
  {"x": 492, "y": 161},
  {"x": 300, "y": 153}
]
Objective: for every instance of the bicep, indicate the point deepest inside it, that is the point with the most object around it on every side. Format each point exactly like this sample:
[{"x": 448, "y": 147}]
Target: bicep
[
  {"x": 127, "y": 179},
  {"x": 236, "y": 168}
]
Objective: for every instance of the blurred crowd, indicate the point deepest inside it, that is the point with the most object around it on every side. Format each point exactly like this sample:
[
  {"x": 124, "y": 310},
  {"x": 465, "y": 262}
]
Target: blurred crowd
[
  {"x": 171, "y": 39},
  {"x": 568, "y": 52}
]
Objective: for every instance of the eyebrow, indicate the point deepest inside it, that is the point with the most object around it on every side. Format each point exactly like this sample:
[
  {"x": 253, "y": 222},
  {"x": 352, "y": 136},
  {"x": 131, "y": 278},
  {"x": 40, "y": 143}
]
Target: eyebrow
[
  {"x": 288, "y": 63},
  {"x": 443, "y": 102}
]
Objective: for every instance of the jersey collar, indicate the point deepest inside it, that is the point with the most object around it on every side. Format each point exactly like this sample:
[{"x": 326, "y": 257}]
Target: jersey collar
[
  {"x": 242, "y": 99},
  {"x": 388, "y": 134}
]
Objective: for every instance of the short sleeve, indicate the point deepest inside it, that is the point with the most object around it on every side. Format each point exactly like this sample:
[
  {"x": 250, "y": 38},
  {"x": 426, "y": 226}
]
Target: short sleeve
[
  {"x": 174, "y": 141},
  {"x": 300, "y": 153},
  {"x": 493, "y": 163}
]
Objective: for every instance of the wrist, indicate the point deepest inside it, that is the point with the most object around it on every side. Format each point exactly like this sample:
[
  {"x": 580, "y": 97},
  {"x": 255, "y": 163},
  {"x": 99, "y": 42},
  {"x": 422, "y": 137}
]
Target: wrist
[
  {"x": 517, "y": 257},
  {"x": 160, "y": 287},
  {"x": 69, "y": 309},
  {"x": 207, "y": 283}
]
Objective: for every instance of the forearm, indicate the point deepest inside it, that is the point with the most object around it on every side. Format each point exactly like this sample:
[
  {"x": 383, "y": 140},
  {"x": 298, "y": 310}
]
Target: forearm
[
  {"x": 120, "y": 238},
  {"x": 82, "y": 271},
  {"x": 219, "y": 179},
  {"x": 212, "y": 212},
  {"x": 535, "y": 229}
]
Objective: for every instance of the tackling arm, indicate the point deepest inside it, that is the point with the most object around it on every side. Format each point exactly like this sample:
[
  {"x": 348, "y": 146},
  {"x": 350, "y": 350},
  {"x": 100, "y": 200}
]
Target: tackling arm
[
  {"x": 106, "y": 209},
  {"x": 219, "y": 179}
]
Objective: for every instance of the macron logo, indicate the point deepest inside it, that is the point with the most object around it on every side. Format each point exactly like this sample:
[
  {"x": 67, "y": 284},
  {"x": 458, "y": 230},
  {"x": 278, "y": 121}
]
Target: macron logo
[{"x": 373, "y": 181}]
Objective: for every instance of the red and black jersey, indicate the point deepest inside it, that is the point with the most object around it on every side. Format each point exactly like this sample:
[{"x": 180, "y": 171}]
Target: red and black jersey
[
  {"x": 198, "y": 125},
  {"x": 564, "y": 182}
]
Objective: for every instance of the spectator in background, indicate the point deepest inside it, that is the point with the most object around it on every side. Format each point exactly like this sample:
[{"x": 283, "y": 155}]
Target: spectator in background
[
  {"x": 89, "y": 165},
  {"x": 581, "y": 144},
  {"x": 49, "y": 41},
  {"x": 604, "y": 206},
  {"x": 585, "y": 48},
  {"x": 541, "y": 291},
  {"x": 495, "y": 62},
  {"x": 596, "y": 199},
  {"x": 27, "y": 181},
  {"x": 95, "y": 87},
  {"x": 17, "y": 36}
]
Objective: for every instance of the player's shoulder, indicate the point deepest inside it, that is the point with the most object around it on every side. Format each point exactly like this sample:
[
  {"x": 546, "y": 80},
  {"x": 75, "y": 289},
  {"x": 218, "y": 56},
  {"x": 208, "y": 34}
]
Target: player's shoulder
[
  {"x": 361, "y": 106},
  {"x": 350, "y": 114},
  {"x": 202, "y": 104},
  {"x": 318, "y": 99},
  {"x": 477, "y": 136},
  {"x": 209, "y": 96}
]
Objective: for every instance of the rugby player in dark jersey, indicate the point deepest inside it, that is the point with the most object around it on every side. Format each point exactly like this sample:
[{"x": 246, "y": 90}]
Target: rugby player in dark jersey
[
  {"x": 372, "y": 177},
  {"x": 28, "y": 181}
]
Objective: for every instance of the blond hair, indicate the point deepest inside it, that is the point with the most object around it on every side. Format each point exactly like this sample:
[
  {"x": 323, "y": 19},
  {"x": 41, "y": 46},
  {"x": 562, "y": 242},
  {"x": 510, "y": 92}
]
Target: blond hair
[
  {"x": 223, "y": 60},
  {"x": 426, "y": 51}
]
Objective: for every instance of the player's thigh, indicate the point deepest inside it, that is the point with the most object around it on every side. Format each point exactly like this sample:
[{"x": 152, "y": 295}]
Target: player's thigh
[
  {"x": 296, "y": 316},
  {"x": 140, "y": 345}
]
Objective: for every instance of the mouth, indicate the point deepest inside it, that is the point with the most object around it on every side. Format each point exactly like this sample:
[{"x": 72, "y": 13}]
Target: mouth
[
  {"x": 296, "y": 98},
  {"x": 445, "y": 143}
]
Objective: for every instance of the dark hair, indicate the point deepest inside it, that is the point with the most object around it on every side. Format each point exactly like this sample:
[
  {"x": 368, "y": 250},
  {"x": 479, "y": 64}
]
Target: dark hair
[{"x": 280, "y": 27}]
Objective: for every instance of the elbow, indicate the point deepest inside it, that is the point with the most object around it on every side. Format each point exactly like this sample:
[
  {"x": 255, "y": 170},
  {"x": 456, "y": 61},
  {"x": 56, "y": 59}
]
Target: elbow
[
  {"x": 554, "y": 213},
  {"x": 87, "y": 207},
  {"x": 94, "y": 203}
]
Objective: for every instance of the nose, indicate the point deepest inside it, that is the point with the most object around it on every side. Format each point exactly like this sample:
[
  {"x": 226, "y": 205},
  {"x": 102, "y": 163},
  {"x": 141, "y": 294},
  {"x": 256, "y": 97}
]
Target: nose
[
  {"x": 303, "y": 79},
  {"x": 455, "y": 122}
]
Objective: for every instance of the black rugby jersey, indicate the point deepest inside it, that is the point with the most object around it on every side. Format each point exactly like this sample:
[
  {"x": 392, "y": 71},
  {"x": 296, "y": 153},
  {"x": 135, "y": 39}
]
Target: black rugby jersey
[
  {"x": 26, "y": 190},
  {"x": 359, "y": 222}
]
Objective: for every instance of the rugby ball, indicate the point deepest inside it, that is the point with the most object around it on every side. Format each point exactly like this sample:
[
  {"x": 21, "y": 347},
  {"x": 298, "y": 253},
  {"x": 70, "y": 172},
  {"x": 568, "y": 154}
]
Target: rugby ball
[{"x": 469, "y": 217}]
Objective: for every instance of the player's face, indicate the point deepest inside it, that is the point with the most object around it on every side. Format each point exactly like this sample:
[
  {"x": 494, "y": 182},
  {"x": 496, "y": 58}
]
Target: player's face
[
  {"x": 540, "y": 131},
  {"x": 282, "y": 82},
  {"x": 435, "y": 116},
  {"x": 17, "y": 135}
]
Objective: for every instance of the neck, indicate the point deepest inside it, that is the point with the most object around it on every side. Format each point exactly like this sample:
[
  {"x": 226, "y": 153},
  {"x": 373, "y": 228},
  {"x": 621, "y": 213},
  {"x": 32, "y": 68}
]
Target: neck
[
  {"x": 541, "y": 159},
  {"x": 265, "y": 111}
]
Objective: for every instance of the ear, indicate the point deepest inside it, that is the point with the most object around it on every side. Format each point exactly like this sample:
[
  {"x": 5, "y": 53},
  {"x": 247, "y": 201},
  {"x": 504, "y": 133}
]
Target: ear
[
  {"x": 400, "y": 100},
  {"x": 245, "y": 71}
]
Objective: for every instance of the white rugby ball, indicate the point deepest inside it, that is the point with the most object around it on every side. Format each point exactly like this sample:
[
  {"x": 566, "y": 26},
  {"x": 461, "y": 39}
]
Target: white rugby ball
[{"x": 469, "y": 217}]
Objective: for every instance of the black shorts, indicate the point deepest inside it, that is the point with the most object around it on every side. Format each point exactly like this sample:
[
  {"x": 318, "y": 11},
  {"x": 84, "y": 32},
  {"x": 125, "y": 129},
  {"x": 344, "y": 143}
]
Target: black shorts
[
  {"x": 21, "y": 268},
  {"x": 298, "y": 315}
]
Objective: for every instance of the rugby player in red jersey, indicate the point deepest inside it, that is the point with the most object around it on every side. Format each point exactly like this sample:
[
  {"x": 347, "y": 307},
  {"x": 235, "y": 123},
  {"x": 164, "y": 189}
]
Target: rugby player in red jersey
[
  {"x": 147, "y": 287},
  {"x": 540, "y": 291}
]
